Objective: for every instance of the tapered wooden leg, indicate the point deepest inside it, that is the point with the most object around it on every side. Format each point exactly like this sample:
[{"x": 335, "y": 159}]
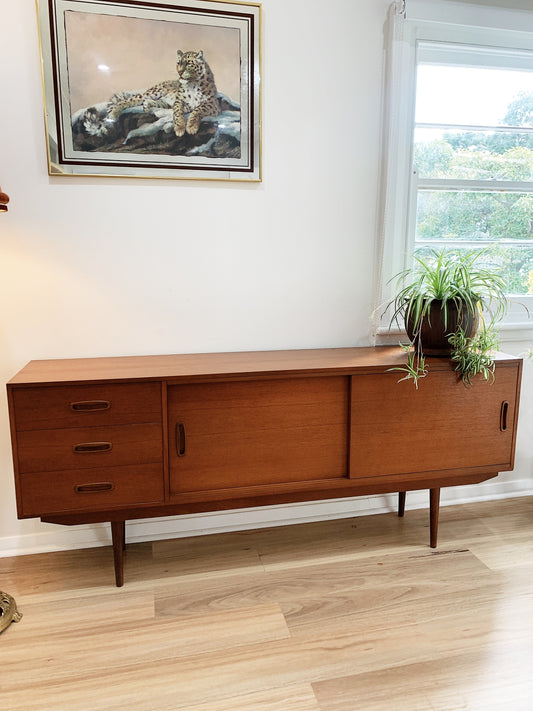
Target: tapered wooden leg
[
  {"x": 118, "y": 533},
  {"x": 434, "y": 503},
  {"x": 401, "y": 503}
]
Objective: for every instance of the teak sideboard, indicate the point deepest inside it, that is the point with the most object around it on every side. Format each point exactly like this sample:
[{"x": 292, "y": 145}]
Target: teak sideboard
[{"x": 121, "y": 438}]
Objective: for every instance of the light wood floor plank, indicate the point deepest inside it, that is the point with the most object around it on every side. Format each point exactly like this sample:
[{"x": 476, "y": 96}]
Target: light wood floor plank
[
  {"x": 488, "y": 680},
  {"x": 60, "y": 572},
  {"x": 58, "y": 655},
  {"x": 48, "y": 616},
  {"x": 333, "y": 589},
  {"x": 292, "y": 698},
  {"x": 515, "y": 552},
  {"x": 205, "y": 555}
]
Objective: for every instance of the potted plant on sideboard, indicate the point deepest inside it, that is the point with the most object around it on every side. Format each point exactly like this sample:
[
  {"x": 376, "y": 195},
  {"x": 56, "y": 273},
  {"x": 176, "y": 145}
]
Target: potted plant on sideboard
[{"x": 450, "y": 305}]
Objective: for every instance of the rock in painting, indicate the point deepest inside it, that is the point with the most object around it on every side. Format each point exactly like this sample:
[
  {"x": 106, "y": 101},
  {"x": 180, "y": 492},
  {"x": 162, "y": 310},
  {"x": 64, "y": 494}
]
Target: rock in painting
[{"x": 151, "y": 131}]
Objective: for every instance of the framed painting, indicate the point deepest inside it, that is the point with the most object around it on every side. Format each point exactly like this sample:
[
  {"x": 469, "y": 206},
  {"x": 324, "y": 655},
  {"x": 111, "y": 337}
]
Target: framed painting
[{"x": 152, "y": 89}]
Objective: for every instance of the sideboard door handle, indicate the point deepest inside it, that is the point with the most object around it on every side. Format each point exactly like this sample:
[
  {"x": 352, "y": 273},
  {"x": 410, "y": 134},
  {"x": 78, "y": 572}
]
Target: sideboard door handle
[
  {"x": 503, "y": 416},
  {"x": 94, "y": 488},
  {"x": 86, "y": 447},
  {"x": 180, "y": 439},
  {"x": 90, "y": 405}
]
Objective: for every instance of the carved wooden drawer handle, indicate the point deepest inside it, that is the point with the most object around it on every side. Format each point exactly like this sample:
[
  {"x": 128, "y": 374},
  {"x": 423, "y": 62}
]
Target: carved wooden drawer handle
[
  {"x": 94, "y": 488},
  {"x": 503, "y": 416},
  {"x": 180, "y": 439},
  {"x": 86, "y": 447},
  {"x": 90, "y": 405}
]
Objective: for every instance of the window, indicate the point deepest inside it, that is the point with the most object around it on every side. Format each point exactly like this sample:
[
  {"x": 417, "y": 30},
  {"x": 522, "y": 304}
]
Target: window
[
  {"x": 473, "y": 158},
  {"x": 459, "y": 168}
]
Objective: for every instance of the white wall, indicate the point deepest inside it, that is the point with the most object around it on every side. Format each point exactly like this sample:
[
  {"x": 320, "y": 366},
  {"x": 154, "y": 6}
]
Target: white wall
[{"x": 94, "y": 267}]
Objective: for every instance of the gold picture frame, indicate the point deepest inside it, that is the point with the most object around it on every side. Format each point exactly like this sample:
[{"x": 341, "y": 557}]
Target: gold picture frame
[{"x": 152, "y": 89}]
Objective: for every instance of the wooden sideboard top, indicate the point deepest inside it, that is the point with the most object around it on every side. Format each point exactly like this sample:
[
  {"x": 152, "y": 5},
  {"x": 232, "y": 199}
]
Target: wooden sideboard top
[{"x": 210, "y": 366}]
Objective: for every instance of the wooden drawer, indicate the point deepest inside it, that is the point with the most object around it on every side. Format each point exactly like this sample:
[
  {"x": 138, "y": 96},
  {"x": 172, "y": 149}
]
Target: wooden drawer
[
  {"x": 88, "y": 447},
  {"x": 91, "y": 489},
  {"x": 42, "y": 408}
]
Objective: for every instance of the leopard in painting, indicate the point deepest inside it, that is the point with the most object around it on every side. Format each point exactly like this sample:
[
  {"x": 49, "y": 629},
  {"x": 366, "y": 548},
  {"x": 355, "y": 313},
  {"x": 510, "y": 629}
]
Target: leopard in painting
[
  {"x": 197, "y": 92},
  {"x": 193, "y": 93}
]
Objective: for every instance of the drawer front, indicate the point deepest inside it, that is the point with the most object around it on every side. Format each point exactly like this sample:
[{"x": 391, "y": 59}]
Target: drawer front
[
  {"x": 42, "y": 408},
  {"x": 91, "y": 489},
  {"x": 87, "y": 447}
]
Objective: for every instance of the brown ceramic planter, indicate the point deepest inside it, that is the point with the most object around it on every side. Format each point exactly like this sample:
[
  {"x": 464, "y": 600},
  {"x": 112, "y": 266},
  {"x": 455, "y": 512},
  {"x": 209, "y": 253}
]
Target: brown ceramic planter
[{"x": 434, "y": 335}]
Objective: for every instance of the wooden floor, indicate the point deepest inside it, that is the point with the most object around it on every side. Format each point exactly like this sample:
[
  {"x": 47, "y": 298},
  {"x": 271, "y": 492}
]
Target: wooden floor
[{"x": 356, "y": 614}]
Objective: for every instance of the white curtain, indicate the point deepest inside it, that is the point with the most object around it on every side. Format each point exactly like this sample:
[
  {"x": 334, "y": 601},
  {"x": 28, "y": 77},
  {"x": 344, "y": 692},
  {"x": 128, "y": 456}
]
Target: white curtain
[{"x": 393, "y": 161}]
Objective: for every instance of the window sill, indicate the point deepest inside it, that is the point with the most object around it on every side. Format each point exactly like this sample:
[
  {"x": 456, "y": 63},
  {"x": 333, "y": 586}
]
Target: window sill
[{"x": 508, "y": 333}]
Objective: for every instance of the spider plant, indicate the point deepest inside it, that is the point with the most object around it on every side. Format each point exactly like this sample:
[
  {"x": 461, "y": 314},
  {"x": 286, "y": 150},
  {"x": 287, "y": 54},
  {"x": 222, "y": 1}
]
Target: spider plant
[
  {"x": 471, "y": 354},
  {"x": 451, "y": 287}
]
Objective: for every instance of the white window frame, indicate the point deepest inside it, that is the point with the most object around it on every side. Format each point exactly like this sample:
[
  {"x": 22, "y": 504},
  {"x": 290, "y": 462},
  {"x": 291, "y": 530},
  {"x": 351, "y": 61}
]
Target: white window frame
[{"x": 412, "y": 23}]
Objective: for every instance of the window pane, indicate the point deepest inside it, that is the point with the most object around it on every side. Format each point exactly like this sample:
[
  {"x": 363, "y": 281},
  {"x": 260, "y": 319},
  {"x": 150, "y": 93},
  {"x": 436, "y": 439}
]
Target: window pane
[
  {"x": 514, "y": 263},
  {"x": 467, "y": 155},
  {"x": 473, "y": 96},
  {"x": 474, "y": 216}
]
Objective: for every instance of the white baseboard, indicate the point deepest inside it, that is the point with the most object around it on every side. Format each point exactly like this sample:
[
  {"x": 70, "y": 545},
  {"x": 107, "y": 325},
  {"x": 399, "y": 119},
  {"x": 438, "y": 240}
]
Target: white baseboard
[{"x": 55, "y": 538}]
